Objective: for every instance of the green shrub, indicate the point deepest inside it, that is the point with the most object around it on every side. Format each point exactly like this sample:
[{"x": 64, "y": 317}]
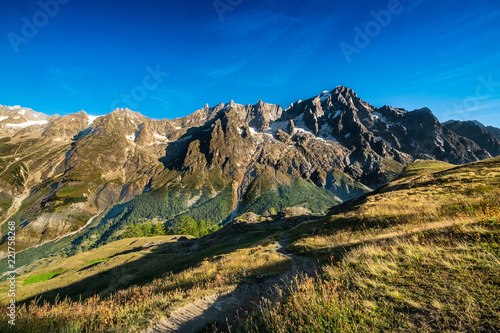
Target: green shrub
[
  {"x": 42, "y": 277},
  {"x": 95, "y": 261}
]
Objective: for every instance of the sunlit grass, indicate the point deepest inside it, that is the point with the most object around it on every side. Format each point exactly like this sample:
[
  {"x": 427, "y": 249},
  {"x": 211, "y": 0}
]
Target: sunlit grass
[
  {"x": 442, "y": 281},
  {"x": 428, "y": 195},
  {"x": 95, "y": 261},
  {"x": 42, "y": 277},
  {"x": 137, "y": 306}
]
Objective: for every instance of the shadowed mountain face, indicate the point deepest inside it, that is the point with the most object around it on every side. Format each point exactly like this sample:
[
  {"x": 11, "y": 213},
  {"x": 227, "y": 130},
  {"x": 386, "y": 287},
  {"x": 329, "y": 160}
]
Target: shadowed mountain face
[
  {"x": 58, "y": 172},
  {"x": 477, "y": 132}
]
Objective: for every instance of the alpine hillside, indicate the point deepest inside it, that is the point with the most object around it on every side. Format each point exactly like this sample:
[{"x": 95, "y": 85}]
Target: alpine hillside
[{"x": 88, "y": 178}]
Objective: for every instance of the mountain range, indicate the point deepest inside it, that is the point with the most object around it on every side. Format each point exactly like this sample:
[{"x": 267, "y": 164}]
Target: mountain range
[{"x": 91, "y": 177}]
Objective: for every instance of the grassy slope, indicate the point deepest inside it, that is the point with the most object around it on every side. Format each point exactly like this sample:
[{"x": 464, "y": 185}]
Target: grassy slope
[
  {"x": 83, "y": 266},
  {"x": 427, "y": 193},
  {"x": 439, "y": 281},
  {"x": 136, "y": 285},
  {"x": 422, "y": 255}
]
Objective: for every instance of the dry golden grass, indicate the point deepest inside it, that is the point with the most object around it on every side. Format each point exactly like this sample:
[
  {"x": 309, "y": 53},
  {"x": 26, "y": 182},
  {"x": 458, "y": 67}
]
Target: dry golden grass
[
  {"x": 136, "y": 307},
  {"x": 428, "y": 195},
  {"x": 81, "y": 266},
  {"x": 445, "y": 281}
]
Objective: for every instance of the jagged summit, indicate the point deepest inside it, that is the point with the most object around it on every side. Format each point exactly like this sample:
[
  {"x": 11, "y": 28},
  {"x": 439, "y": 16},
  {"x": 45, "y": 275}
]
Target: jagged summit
[
  {"x": 345, "y": 91},
  {"x": 477, "y": 132},
  {"x": 78, "y": 165},
  {"x": 16, "y": 120},
  {"x": 489, "y": 129},
  {"x": 125, "y": 111}
]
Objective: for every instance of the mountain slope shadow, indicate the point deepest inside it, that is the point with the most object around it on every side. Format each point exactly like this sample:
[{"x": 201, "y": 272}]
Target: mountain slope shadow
[
  {"x": 224, "y": 310},
  {"x": 166, "y": 258},
  {"x": 175, "y": 152}
]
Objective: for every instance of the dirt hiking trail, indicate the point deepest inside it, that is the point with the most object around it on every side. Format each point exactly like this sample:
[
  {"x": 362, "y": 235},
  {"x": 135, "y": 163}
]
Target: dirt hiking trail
[{"x": 225, "y": 308}]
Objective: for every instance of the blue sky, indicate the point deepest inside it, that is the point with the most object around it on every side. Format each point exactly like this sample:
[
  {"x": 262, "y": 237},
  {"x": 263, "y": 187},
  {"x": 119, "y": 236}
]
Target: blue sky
[{"x": 166, "y": 59}]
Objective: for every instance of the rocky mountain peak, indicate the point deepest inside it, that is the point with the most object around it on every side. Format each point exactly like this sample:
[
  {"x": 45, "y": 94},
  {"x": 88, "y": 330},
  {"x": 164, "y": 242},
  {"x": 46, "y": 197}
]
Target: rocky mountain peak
[
  {"x": 333, "y": 140},
  {"x": 344, "y": 91},
  {"x": 476, "y": 132},
  {"x": 424, "y": 114},
  {"x": 14, "y": 119},
  {"x": 123, "y": 112},
  {"x": 121, "y": 118},
  {"x": 67, "y": 127},
  {"x": 344, "y": 98},
  {"x": 258, "y": 116},
  {"x": 274, "y": 111},
  {"x": 390, "y": 111},
  {"x": 18, "y": 114}
]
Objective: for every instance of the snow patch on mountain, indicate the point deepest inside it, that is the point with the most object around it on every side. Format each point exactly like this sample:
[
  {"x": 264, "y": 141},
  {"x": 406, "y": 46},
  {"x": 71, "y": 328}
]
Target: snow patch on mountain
[
  {"x": 300, "y": 125},
  {"x": 378, "y": 115},
  {"x": 28, "y": 123},
  {"x": 397, "y": 111},
  {"x": 185, "y": 138},
  {"x": 326, "y": 133},
  {"x": 325, "y": 95},
  {"x": 381, "y": 117},
  {"x": 159, "y": 137},
  {"x": 440, "y": 141},
  {"x": 131, "y": 137},
  {"x": 92, "y": 119},
  {"x": 277, "y": 125},
  {"x": 337, "y": 113}
]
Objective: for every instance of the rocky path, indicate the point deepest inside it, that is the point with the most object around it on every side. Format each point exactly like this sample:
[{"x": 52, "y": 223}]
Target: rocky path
[{"x": 226, "y": 307}]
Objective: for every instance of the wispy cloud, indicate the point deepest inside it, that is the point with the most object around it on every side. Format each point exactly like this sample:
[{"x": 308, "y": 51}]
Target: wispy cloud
[
  {"x": 291, "y": 33},
  {"x": 410, "y": 5},
  {"x": 162, "y": 100},
  {"x": 173, "y": 99},
  {"x": 61, "y": 78},
  {"x": 451, "y": 25},
  {"x": 480, "y": 106},
  {"x": 253, "y": 21},
  {"x": 426, "y": 80},
  {"x": 232, "y": 68},
  {"x": 288, "y": 36}
]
